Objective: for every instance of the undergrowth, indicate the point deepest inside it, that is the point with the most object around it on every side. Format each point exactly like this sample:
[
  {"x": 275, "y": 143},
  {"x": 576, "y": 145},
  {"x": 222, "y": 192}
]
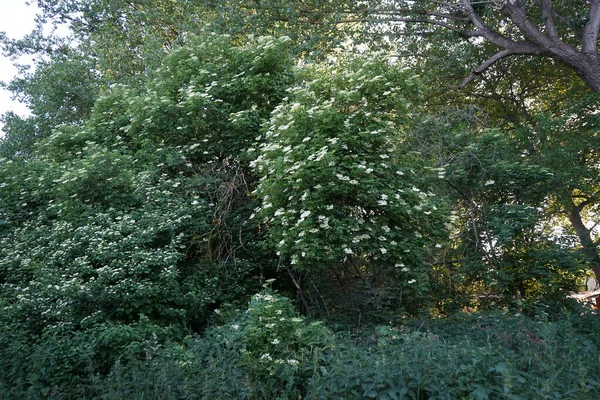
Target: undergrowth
[{"x": 268, "y": 351}]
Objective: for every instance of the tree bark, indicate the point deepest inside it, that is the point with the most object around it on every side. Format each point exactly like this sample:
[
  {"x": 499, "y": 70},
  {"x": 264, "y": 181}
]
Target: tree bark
[
  {"x": 590, "y": 248},
  {"x": 586, "y": 66}
]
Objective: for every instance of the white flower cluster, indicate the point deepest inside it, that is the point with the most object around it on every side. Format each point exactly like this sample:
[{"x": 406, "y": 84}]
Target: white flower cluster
[{"x": 316, "y": 148}]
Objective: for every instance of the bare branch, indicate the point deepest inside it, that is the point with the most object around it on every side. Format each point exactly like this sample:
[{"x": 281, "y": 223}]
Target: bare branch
[
  {"x": 517, "y": 14},
  {"x": 548, "y": 17},
  {"x": 590, "y": 32},
  {"x": 483, "y": 66},
  {"x": 483, "y": 31}
]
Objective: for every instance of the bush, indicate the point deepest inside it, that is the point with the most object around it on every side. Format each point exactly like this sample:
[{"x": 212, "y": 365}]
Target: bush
[
  {"x": 265, "y": 352},
  {"x": 492, "y": 356}
]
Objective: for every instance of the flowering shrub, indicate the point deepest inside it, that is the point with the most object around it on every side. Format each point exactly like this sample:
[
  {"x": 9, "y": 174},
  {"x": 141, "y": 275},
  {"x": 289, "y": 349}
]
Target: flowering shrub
[
  {"x": 209, "y": 94},
  {"x": 139, "y": 212},
  {"x": 277, "y": 347},
  {"x": 276, "y": 338},
  {"x": 338, "y": 186}
]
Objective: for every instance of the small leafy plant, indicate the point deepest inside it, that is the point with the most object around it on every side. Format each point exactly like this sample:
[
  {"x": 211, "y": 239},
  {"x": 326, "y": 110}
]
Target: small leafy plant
[{"x": 279, "y": 345}]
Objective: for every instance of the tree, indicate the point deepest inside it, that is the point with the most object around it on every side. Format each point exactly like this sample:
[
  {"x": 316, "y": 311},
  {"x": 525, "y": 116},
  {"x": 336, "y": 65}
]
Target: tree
[
  {"x": 549, "y": 120},
  {"x": 530, "y": 107},
  {"x": 565, "y": 31},
  {"x": 60, "y": 91},
  {"x": 570, "y": 139}
]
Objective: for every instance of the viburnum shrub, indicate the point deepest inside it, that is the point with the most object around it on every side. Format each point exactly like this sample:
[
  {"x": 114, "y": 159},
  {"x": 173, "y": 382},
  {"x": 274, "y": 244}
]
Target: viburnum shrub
[
  {"x": 339, "y": 188},
  {"x": 278, "y": 346},
  {"x": 276, "y": 337},
  {"x": 139, "y": 211},
  {"x": 211, "y": 93}
]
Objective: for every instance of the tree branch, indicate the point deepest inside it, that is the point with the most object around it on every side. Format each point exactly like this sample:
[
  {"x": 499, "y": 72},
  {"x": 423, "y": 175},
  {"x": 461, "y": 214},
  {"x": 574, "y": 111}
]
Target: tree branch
[
  {"x": 515, "y": 49},
  {"x": 566, "y": 22},
  {"x": 588, "y": 200},
  {"x": 548, "y": 17},
  {"x": 483, "y": 66},
  {"x": 518, "y": 16},
  {"x": 483, "y": 31},
  {"x": 427, "y": 21},
  {"x": 552, "y": 47},
  {"x": 590, "y": 32},
  {"x": 446, "y": 4},
  {"x": 389, "y": 12}
]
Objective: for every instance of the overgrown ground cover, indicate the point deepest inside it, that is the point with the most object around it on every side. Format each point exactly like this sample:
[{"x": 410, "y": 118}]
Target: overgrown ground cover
[{"x": 268, "y": 351}]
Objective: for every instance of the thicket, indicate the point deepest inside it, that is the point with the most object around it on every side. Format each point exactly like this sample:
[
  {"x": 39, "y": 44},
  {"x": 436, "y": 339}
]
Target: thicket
[
  {"x": 268, "y": 351},
  {"x": 131, "y": 241}
]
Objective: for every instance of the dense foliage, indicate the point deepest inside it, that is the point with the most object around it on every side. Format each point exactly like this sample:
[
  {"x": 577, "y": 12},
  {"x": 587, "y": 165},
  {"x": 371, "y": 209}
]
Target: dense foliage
[
  {"x": 268, "y": 352},
  {"x": 341, "y": 194},
  {"x": 196, "y": 209}
]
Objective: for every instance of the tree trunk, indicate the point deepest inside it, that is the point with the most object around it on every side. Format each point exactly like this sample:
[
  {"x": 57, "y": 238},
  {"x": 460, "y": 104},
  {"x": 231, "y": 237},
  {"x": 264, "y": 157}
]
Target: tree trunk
[{"x": 587, "y": 243}]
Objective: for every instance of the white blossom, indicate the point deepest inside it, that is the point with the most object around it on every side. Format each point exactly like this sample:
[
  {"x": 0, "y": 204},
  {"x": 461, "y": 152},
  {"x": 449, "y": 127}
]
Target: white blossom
[{"x": 304, "y": 214}]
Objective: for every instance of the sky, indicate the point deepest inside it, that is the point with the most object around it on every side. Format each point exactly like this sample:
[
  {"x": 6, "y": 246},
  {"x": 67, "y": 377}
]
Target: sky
[{"x": 16, "y": 19}]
